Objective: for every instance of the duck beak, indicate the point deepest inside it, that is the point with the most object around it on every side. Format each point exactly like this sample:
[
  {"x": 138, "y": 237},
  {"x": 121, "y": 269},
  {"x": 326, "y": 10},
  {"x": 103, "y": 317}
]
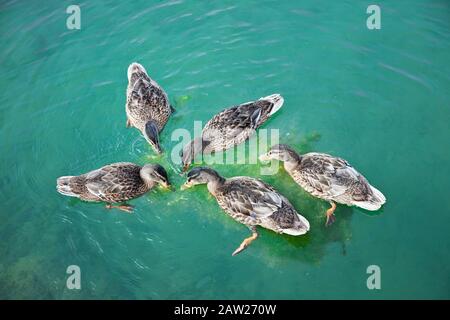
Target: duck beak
[
  {"x": 167, "y": 185},
  {"x": 264, "y": 157},
  {"x": 157, "y": 148},
  {"x": 187, "y": 185},
  {"x": 185, "y": 167}
]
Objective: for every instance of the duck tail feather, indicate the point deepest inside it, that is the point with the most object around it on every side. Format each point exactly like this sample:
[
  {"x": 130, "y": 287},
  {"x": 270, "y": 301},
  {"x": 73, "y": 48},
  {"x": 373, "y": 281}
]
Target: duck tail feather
[
  {"x": 301, "y": 227},
  {"x": 378, "y": 195},
  {"x": 376, "y": 200},
  {"x": 63, "y": 186},
  {"x": 276, "y": 101}
]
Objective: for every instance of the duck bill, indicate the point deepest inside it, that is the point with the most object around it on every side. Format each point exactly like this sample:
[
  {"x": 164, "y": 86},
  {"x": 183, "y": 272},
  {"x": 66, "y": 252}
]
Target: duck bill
[
  {"x": 187, "y": 185},
  {"x": 157, "y": 148},
  {"x": 264, "y": 157},
  {"x": 167, "y": 186},
  {"x": 154, "y": 144}
]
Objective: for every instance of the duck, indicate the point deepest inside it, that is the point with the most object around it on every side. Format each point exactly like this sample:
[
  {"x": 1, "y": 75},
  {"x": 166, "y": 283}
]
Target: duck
[
  {"x": 251, "y": 202},
  {"x": 231, "y": 127},
  {"x": 148, "y": 108},
  {"x": 114, "y": 183},
  {"x": 327, "y": 177}
]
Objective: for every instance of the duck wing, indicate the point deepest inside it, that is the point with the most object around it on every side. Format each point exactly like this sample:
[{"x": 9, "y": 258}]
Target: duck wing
[
  {"x": 332, "y": 177},
  {"x": 115, "y": 182},
  {"x": 250, "y": 197},
  {"x": 234, "y": 125},
  {"x": 146, "y": 101}
]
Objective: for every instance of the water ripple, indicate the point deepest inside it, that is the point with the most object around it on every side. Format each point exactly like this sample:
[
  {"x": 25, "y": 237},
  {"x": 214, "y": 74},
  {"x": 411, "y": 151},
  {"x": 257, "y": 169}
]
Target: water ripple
[{"x": 405, "y": 74}]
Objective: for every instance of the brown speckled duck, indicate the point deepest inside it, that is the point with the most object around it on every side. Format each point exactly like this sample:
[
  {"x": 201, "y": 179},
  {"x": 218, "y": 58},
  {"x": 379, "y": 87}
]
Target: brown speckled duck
[
  {"x": 251, "y": 202},
  {"x": 114, "y": 183},
  {"x": 328, "y": 178},
  {"x": 148, "y": 108},
  {"x": 231, "y": 127}
]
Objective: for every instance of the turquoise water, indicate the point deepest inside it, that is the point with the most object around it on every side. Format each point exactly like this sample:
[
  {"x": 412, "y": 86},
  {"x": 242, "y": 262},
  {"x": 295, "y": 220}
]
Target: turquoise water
[{"x": 379, "y": 98}]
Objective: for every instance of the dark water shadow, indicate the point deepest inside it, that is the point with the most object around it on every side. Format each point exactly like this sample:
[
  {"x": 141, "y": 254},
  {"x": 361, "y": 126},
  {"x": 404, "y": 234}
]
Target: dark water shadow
[
  {"x": 379, "y": 212},
  {"x": 312, "y": 247},
  {"x": 271, "y": 247}
]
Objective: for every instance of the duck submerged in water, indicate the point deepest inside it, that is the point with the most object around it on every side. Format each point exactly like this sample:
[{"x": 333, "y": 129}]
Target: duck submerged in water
[
  {"x": 114, "y": 183},
  {"x": 328, "y": 178},
  {"x": 231, "y": 127},
  {"x": 148, "y": 108},
  {"x": 251, "y": 202}
]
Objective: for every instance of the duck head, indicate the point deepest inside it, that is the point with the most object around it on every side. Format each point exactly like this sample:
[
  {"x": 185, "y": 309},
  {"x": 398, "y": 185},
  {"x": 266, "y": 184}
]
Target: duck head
[
  {"x": 155, "y": 174},
  {"x": 281, "y": 152},
  {"x": 201, "y": 175},
  {"x": 190, "y": 150},
  {"x": 151, "y": 134}
]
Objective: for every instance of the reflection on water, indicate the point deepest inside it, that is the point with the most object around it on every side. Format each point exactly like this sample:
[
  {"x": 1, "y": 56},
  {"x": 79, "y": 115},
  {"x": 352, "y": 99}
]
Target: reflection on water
[{"x": 312, "y": 247}]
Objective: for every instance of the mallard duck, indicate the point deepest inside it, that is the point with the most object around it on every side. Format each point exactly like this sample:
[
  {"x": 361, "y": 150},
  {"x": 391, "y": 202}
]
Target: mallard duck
[
  {"x": 329, "y": 178},
  {"x": 148, "y": 107},
  {"x": 117, "y": 182},
  {"x": 251, "y": 202},
  {"x": 231, "y": 127}
]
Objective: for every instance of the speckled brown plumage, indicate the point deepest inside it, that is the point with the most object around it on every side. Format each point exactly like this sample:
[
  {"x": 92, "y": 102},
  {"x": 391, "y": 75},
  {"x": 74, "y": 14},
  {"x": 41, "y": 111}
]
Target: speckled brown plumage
[
  {"x": 146, "y": 100},
  {"x": 329, "y": 178},
  {"x": 234, "y": 125},
  {"x": 231, "y": 127},
  {"x": 253, "y": 202},
  {"x": 117, "y": 182}
]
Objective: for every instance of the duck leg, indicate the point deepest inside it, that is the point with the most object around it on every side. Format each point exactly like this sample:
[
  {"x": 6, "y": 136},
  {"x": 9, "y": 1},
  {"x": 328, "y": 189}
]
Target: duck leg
[
  {"x": 247, "y": 241},
  {"x": 330, "y": 214},
  {"x": 124, "y": 207}
]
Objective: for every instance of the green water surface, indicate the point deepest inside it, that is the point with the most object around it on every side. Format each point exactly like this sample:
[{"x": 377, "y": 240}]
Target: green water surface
[{"x": 378, "y": 98}]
